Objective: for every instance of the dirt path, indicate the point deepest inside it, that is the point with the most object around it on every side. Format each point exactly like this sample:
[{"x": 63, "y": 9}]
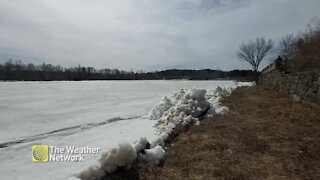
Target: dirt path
[{"x": 264, "y": 136}]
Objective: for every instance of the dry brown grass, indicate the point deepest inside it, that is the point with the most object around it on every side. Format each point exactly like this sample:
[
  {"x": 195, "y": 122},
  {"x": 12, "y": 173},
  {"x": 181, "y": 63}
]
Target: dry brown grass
[{"x": 265, "y": 136}]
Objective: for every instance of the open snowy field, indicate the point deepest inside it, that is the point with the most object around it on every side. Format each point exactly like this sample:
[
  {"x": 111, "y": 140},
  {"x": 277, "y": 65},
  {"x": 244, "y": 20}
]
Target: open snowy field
[{"x": 84, "y": 114}]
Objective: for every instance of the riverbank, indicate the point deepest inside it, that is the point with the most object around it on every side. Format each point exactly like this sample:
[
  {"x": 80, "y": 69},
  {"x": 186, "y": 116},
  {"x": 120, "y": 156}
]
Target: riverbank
[{"x": 264, "y": 136}]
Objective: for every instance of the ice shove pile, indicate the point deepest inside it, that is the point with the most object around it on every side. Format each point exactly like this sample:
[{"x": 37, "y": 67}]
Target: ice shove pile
[
  {"x": 172, "y": 114},
  {"x": 180, "y": 109},
  {"x": 214, "y": 97}
]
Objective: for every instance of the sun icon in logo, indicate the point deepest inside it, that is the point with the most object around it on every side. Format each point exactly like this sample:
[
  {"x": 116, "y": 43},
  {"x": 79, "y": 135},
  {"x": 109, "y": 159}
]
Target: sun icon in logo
[{"x": 40, "y": 153}]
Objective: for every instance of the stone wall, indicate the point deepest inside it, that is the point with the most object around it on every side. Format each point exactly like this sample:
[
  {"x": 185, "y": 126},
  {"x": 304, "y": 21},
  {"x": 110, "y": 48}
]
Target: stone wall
[{"x": 301, "y": 86}]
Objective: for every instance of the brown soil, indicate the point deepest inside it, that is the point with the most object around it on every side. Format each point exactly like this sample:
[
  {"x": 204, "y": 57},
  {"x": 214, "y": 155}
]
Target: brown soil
[{"x": 264, "y": 136}]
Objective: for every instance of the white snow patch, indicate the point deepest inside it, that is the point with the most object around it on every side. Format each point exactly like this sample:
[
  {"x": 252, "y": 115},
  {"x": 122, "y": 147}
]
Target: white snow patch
[
  {"x": 181, "y": 108},
  {"x": 122, "y": 156},
  {"x": 152, "y": 156},
  {"x": 91, "y": 173},
  {"x": 141, "y": 144}
]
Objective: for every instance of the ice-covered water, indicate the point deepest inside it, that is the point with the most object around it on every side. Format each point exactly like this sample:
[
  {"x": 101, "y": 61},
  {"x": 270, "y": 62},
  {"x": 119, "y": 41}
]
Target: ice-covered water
[{"x": 78, "y": 114}]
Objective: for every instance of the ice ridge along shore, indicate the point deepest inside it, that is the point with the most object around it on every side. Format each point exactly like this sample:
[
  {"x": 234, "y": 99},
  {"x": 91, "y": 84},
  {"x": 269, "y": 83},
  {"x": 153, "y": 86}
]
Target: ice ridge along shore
[{"x": 171, "y": 114}]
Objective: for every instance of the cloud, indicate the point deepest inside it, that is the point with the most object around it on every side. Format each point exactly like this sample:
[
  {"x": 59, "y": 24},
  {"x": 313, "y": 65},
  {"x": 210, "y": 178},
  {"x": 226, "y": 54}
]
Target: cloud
[{"x": 144, "y": 34}]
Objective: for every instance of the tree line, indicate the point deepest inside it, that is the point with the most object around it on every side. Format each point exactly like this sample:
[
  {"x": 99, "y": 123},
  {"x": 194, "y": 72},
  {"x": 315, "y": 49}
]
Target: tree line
[{"x": 18, "y": 71}]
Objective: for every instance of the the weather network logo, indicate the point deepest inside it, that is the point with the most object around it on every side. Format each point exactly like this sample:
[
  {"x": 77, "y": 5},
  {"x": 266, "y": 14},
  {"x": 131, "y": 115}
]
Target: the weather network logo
[
  {"x": 40, "y": 153},
  {"x": 45, "y": 153}
]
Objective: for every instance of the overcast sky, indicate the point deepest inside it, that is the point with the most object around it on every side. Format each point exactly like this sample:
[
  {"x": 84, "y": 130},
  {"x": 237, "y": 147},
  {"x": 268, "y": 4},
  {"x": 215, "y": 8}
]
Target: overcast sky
[{"x": 144, "y": 34}]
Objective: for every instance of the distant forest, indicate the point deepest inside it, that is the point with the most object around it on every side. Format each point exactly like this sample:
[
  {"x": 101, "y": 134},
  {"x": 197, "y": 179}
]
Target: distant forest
[{"x": 18, "y": 71}]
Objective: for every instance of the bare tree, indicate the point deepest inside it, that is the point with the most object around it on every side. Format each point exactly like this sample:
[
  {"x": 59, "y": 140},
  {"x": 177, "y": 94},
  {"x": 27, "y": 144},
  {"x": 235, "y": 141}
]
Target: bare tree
[
  {"x": 287, "y": 46},
  {"x": 313, "y": 28},
  {"x": 254, "y": 52}
]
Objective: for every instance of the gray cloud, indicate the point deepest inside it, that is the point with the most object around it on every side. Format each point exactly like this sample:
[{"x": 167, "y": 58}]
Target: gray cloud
[{"x": 144, "y": 34}]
